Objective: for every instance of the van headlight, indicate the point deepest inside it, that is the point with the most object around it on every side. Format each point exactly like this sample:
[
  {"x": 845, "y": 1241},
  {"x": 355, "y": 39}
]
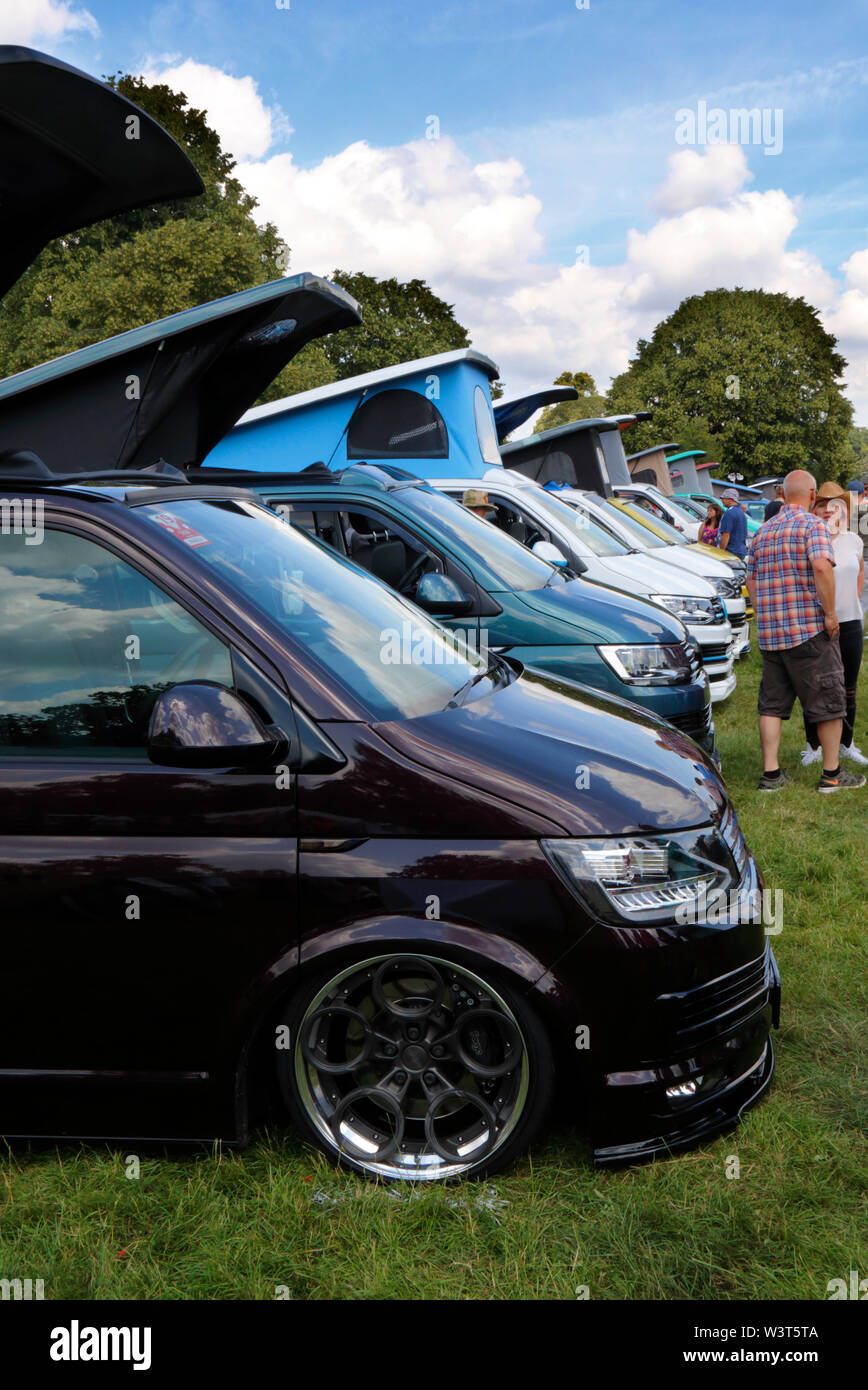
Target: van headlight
[
  {"x": 727, "y": 588},
  {"x": 648, "y": 665},
  {"x": 644, "y": 879},
  {"x": 689, "y": 610}
]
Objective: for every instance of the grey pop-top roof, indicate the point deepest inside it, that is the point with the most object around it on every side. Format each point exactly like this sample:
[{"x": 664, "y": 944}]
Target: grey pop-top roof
[{"x": 171, "y": 389}]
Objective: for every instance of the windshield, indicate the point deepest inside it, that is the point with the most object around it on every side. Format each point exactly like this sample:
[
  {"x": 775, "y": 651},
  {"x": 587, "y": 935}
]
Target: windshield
[
  {"x": 678, "y": 511},
  {"x": 588, "y": 532},
  {"x": 384, "y": 653},
  {"x": 511, "y": 566},
  {"x": 693, "y": 508},
  {"x": 623, "y": 526},
  {"x": 655, "y": 525}
]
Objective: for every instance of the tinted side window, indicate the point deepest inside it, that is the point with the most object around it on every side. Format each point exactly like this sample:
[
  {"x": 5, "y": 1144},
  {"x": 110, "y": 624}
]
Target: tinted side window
[
  {"x": 397, "y": 424},
  {"x": 86, "y": 644}
]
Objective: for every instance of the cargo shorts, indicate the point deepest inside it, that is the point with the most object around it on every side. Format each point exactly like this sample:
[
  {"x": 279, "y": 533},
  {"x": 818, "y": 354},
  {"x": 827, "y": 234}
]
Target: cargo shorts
[{"x": 812, "y": 672}]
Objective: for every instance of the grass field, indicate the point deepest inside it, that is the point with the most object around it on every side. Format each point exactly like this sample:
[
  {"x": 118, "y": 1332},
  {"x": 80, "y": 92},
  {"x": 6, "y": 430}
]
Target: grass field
[{"x": 218, "y": 1226}]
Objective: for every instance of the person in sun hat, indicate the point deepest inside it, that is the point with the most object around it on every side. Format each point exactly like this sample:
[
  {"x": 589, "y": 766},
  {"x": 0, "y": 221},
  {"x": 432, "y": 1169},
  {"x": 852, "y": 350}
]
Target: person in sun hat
[
  {"x": 733, "y": 526},
  {"x": 476, "y": 500},
  {"x": 833, "y": 507},
  {"x": 791, "y": 582}
]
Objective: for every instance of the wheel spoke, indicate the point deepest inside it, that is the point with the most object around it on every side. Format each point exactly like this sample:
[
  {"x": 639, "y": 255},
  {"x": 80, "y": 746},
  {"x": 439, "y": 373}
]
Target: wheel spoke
[
  {"x": 320, "y": 1020},
  {"x": 407, "y": 967}
]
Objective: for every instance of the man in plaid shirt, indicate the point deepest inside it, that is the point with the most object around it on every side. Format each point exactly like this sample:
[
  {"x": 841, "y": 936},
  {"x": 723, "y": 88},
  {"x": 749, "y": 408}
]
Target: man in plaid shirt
[{"x": 791, "y": 582}]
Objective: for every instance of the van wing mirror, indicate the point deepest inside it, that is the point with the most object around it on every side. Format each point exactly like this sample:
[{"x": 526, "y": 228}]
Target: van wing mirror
[
  {"x": 438, "y": 593},
  {"x": 546, "y": 551},
  {"x": 204, "y": 724}
]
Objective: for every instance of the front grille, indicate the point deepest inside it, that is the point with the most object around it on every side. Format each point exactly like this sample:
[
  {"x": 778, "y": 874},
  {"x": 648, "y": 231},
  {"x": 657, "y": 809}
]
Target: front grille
[
  {"x": 738, "y": 621},
  {"x": 696, "y": 724},
  {"x": 720, "y": 1004},
  {"x": 716, "y": 651}
]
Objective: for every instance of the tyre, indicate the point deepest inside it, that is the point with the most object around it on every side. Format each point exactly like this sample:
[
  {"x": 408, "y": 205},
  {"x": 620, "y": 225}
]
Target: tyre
[{"x": 413, "y": 1067}]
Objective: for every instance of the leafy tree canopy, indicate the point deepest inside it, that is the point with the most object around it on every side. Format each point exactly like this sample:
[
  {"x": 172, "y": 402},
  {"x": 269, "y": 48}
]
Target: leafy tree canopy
[
  {"x": 749, "y": 376},
  {"x": 159, "y": 260},
  {"x": 589, "y": 404},
  {"x": 400, "y": 321},
  {"x": 859, "y": 445}
]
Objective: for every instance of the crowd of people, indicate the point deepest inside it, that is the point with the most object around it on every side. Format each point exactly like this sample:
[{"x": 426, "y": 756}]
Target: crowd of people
[{"x": 806, "y": 578}]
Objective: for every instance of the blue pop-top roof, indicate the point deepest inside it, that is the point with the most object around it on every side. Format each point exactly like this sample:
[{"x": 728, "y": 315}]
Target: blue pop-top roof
[{"x": 329, "y": 424}]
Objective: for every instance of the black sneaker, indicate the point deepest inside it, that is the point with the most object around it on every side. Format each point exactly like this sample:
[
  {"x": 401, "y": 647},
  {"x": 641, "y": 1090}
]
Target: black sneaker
[
  {"x": 843, "y": 782},
  {"x": 773, "y": 784}
]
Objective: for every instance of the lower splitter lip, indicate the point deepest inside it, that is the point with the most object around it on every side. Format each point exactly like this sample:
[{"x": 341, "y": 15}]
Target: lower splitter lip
[{"x": 740, "y": 1095}]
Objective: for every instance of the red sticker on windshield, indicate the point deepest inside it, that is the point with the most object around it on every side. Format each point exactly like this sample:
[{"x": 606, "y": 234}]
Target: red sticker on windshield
[{"x": 181, "y": 530}]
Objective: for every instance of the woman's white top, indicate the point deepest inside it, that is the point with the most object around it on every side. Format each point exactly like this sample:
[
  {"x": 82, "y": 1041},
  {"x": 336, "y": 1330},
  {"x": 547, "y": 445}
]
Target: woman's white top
[{"x": 848, "y": 557}]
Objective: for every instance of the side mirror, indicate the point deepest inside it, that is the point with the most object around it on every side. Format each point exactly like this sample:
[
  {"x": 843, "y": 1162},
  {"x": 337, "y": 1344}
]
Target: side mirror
[
  {"x": 546, "y": 551},
  {"x": 202, "y": 724},
  {"x": 437, "y": 593}
]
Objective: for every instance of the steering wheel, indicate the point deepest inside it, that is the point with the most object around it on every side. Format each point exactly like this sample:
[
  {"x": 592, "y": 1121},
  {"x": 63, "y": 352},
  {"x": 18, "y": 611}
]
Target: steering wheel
[{"x": 408, "y": 579}]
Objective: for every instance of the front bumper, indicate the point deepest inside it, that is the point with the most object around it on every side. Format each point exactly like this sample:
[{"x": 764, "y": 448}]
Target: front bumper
[
  {"x": 731, "y": 1068},
  {"x": 685, "y": 1062},
  {"x": 741, "y": 645},
  {"x": 729, "y": 1106},
  {"x": 716, "y": 649},
  {"x": 722, "y": 681}
]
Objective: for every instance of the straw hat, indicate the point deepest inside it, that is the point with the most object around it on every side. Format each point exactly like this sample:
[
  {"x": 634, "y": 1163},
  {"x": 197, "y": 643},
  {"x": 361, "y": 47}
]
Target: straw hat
[{"x": 832, "y": 490}]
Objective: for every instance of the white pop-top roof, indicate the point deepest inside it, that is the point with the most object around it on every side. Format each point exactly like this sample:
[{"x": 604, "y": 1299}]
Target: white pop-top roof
[{"x": 351, "y": 384}]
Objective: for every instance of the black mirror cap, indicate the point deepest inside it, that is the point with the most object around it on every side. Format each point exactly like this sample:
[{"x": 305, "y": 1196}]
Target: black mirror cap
[
  {"x": 438, "y": 593},
  {"x": 201, "y": 724}
]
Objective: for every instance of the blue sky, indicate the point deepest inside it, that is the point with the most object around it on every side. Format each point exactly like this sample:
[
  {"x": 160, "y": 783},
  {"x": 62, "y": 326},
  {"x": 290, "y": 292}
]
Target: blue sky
[{"x": 577, "y": 110}]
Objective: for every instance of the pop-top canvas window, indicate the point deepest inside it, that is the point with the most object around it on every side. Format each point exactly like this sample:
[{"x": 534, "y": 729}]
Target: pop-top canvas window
[{"x": 397, "y": 424}]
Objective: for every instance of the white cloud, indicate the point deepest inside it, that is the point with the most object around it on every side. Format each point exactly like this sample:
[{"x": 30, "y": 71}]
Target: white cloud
[
  {"x": 417, "y": 209},
  {"x": 702, "y": 180},
  {"x": 471, "y": 230},
  {"x": 246, "y": 125},
  {"x": 27, "y": 20}
]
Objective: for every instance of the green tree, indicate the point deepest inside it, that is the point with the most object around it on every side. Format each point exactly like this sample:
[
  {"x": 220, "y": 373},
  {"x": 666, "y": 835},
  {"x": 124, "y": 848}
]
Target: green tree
[
  {"x": 751, "y": 377},
  {"x": 859, "y": 446},
  {"x": 589, "y": 404},
  {"x": 400, "y": 321},
  {"x": 154, "y": 261}
]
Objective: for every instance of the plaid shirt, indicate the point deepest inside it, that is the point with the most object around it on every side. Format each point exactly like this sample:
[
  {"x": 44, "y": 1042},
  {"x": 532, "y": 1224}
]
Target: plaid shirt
[{"x": 788, "y": 611}]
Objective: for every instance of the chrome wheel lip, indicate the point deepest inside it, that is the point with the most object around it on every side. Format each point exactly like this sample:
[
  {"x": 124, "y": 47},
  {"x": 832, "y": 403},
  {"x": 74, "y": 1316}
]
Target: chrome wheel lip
[{"x": 405, "y": 1166}]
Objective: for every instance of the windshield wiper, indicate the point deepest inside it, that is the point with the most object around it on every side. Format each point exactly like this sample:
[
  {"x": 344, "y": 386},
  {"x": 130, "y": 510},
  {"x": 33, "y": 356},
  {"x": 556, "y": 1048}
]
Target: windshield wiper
[
  {"x": 561, "y": 573},
  {"x": 493, "y": 669}
]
